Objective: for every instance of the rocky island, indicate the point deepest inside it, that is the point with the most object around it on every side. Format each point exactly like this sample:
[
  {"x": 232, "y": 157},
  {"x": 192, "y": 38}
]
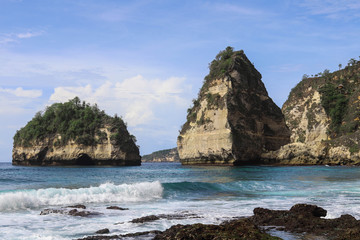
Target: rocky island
[
  {"x": 233, "y": 120},
  {"x": 74, "y": 133},
  {"x": 323, "y": 114}
]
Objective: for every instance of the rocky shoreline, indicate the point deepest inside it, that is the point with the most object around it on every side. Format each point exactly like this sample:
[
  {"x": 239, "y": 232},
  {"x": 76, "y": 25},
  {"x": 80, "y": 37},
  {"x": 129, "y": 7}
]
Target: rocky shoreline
[{"x": 303, "y": 220}]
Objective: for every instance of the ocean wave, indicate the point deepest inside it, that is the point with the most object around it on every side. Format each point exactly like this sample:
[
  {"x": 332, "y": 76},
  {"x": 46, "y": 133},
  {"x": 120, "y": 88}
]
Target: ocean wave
[
  {"x": 240, "y": 186},
  {"x": 107, "y": 192},
  {"x": 192, "y": 186}
]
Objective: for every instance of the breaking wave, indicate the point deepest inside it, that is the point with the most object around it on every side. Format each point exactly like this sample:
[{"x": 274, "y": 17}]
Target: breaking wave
[{"x": 107, "y": 192}]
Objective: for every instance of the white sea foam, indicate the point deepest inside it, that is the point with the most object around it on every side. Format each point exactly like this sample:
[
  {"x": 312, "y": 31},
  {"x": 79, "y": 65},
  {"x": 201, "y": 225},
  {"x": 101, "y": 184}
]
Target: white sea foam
[{"x": 107, "y": 192}]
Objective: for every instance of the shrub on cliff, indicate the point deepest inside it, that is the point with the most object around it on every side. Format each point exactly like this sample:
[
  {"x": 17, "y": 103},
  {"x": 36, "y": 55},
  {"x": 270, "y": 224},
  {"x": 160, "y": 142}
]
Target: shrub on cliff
[
  {"x": 340, "y": 98},
  {"x": 335, "y": 104},
  {"x": 221, "y": 64},
  {"x": 72, "y": 120},
  {"x": 218, "y": 68}
]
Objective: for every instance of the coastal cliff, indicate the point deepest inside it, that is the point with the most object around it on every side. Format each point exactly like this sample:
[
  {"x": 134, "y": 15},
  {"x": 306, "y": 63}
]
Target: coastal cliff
[
  {"x": 74, "y": 133},
  {"x": 233, "y": 120},
  {"x": 323, "y": 114}
]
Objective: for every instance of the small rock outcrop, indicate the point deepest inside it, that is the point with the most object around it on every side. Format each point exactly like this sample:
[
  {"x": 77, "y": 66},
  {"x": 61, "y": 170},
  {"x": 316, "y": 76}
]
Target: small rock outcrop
[
  {"x": 176, "y": 216},
  {"x": 117, "y": 208},
  {"x": 132, "y": 236},
  {"x": 233, "y": 120},
  {"x": 73, "y": 212},
  {"x": 103, "y": 231},
  {"x": 167, "y": 155},
  {"x": 323, "y": 114},
  {"x": 78, "y": 206},
  {"x": 304, "y": 218},
  {"x": 74, "y": 133}
]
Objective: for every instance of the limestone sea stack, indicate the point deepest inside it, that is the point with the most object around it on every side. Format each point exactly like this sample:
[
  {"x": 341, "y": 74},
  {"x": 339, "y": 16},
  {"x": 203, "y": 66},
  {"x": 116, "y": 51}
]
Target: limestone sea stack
[
  {"x": 323, "y": 114},
  {"x": 74, "y": 133},
  {"x": 233, "y": 120}
]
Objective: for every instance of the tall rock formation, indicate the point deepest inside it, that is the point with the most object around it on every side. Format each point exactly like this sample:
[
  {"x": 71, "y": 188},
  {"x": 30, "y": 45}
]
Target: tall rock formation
[
  {"x": 233, "y": 120},
  {"x": 323, "y": 114},
  {"x": 74, "y": 133}
]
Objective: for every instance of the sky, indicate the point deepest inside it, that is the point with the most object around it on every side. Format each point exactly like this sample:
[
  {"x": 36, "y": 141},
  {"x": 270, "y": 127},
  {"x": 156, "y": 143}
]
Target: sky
[{"x": 146, "y": 60}]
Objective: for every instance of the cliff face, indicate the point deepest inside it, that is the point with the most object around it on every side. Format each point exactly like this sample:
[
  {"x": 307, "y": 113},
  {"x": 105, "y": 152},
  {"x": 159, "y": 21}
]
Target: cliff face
[
  {"x": 323, "y": 114},
  {"x": 233, "y": 120},
  {"x": 167, "y": 155},
  {"x": 207, "y": 137},
  {"x": 45, "y": 153},
  {"x": 306, "y": 117},
  {"x": 96, "y": 139}
]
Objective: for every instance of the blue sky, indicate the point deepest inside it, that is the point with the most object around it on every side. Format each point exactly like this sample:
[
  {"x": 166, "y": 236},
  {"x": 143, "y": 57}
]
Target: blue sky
[{"x": 146, "y": 60}]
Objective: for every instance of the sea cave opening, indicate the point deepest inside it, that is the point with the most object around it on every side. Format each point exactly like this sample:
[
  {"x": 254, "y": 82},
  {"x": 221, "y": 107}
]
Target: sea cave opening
[{"x": 84, "y": 159}]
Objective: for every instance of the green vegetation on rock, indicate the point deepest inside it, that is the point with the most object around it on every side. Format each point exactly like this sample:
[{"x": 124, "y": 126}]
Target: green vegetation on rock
[
  {"x": 72, "y": 120},
  {"x": 218, "y": 68},
  {"x": 354, "y": 148},
  {"x": 213, "y": 100},
  {"x": 335, "y": 103},
  {"x": 340, "y": 98},
  {"x": 221, "y": 64}
]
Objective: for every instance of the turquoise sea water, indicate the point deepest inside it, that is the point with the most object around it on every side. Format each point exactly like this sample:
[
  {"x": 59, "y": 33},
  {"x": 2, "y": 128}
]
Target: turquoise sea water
[{"x": 214, "y": 194}]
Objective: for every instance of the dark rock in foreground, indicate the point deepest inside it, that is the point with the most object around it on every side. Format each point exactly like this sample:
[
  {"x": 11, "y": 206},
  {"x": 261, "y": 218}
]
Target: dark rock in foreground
[
  {"x": 129, "y": 235},
  {"x": 103, "y": 231},
  {"x": 78, "y": 206},
  {"x": 73, "y": 212},
  {"x": 306, "y": 218},
  {"x": 117, "y": 208},
  {"x": 151, "y": 218},
  {"x": 302, "y": 219},
  {"x": 237, "y": 229},
  {"x": 145, "y": 219}
]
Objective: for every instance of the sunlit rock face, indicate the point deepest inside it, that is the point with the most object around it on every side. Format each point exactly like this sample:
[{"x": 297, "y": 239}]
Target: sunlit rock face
[
  {"x": 74, "y": 133},
  {"x": 233, "y": 121},
  {"x": 105, "y": 154},
  {"x": 323, "y": 115}
]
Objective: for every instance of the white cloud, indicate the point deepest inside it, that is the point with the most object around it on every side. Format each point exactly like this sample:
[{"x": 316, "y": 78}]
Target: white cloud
[
  {"x": 19, "y": 101},
  {"x": 20, "y": 92},
  {"x": 15, "y": 37},
  {"x": 6, "y": 39},
  {"x": 113, "y": 15},
  {"x": 28, "y": 34},
  {"x": 11, "y": 105},
  {"x": 233, "y": 8},
  {"x": 67, "y": 68},
  {"x": 122, "y": 11},
  {"x": 136, "y": 99},
  {"x": 333, "y": 8}
]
